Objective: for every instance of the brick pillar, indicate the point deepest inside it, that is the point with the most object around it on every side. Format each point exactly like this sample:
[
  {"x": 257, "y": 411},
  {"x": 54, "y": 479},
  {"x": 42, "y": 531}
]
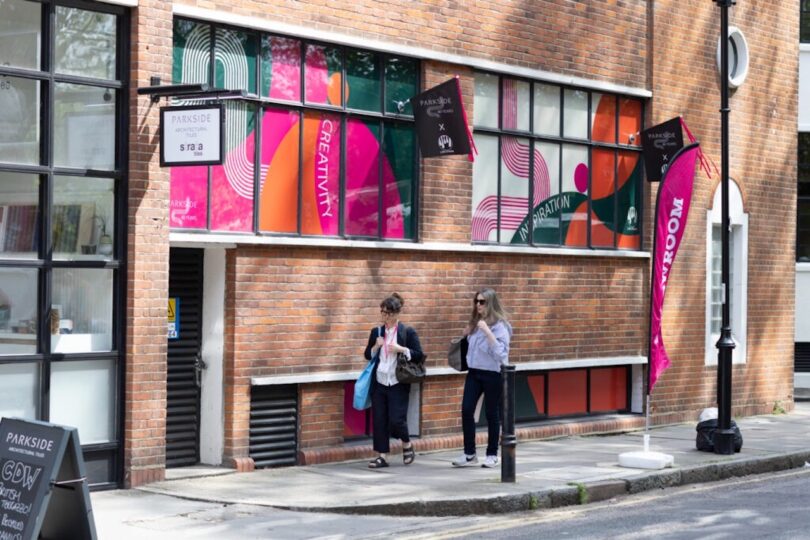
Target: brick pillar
[
  {"x": 237, "y": 372},
  {"x": 147, "y": 253}
]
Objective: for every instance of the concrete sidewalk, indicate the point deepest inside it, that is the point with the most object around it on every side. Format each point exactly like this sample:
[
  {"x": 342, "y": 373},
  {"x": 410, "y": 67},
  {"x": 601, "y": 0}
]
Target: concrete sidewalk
[{"x": 550, "y": 473}]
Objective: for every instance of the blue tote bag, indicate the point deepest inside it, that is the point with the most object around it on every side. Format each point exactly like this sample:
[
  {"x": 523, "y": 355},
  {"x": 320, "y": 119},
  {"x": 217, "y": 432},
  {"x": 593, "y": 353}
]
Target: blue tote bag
[{"x": 362, "y": 386}]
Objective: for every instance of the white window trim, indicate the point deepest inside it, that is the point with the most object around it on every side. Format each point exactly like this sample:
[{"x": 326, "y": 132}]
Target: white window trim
[{"x": 738, "y": 220}]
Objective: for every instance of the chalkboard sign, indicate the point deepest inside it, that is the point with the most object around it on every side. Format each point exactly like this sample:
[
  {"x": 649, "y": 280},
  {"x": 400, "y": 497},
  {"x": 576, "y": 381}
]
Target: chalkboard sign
[{"x": 43, "y": 487}]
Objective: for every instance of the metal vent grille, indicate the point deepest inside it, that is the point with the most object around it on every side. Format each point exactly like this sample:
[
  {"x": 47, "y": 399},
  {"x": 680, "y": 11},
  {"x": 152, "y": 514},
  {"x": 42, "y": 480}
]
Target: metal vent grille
[
  {"x": 274, "y": 425},
  {"x": 801, "y": 357}
]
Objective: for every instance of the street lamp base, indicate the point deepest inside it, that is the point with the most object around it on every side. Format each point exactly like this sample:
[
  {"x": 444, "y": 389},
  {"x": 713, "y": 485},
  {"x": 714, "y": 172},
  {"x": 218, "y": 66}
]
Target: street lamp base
[{"x": 724, "y": 442}]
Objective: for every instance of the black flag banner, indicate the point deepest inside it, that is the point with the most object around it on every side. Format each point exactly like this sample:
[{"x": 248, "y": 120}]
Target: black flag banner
[
  {"x": 441, "y": 122},
  {"x": 660, "y": 144}
]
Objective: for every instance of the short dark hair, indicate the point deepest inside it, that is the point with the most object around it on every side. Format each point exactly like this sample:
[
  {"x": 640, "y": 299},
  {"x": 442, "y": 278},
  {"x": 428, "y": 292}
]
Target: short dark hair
[{"x": 393, "y": 303}]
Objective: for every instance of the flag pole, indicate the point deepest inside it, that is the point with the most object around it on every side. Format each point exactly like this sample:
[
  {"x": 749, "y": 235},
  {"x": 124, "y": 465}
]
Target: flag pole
[{"x": 649, "y": 319}]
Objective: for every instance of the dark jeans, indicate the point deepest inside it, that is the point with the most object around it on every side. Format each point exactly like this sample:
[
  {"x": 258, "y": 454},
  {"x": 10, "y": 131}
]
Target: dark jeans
[
  {"x": 489, "y": 383},
  {"x": 389, "y": 405}
]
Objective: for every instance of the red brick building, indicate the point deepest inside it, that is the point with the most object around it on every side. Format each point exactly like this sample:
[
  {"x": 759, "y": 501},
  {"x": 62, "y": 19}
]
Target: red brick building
[{"x": 276, "y": 260}]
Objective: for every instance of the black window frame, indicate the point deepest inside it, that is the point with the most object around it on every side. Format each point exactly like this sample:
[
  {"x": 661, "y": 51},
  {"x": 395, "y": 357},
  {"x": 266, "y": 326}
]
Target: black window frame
[
  {"x": 104, "y": 461},
  {"x": 804, "y": 21}
]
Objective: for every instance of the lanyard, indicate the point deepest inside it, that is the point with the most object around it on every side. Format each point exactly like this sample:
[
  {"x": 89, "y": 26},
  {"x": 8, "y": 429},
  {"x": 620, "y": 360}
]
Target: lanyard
[{"x": 390, "y": 337}]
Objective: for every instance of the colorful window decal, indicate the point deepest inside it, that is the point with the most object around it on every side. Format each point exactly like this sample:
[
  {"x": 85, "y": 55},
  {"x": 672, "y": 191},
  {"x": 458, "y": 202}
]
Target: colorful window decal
[
  {"x": 278, "y": 199},
  {"x": 585, "y": 190},
  {"x": 323, "y": 70},
  {"x": 399, "y": 181},
  {"x": 315, "y": 172},
  {"x": 232, "y": 182},
  {"x": 281, "y": 68}
]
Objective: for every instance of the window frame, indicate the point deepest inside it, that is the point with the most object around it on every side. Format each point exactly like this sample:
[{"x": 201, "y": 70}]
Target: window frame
[
  {"x": 104, "y": 459},
  {"x": 259, "y": 104},
  {"x": 804, "y": 19},
  {"x": 561, "y": 141},
  {"x": 803, "y": 196},
  {"x": 738, "y": 307}
]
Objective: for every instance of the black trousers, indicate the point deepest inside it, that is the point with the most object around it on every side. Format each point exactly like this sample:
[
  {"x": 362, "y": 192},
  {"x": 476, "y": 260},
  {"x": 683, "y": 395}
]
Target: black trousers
[
  {"x": 389, "y": 407},
  {"x": 479, "y": 382}
]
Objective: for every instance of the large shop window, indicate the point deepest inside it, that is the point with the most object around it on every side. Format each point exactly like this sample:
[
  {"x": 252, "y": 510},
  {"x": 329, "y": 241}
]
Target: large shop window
[
  {"x": 325, "y": 145},
  {"x": 556, "y": 167},
  {"x": 62, "y": 179}
]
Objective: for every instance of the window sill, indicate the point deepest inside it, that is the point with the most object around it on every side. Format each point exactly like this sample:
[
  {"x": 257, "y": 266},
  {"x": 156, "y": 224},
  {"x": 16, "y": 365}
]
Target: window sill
[
  {"x": 230, "y": 241},
  {"x": 542, "y": 365}
]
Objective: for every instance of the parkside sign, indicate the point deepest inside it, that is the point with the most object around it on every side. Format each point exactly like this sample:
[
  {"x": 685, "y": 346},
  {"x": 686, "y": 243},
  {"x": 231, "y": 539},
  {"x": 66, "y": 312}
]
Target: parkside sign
[{"x": 192, "y": 135}]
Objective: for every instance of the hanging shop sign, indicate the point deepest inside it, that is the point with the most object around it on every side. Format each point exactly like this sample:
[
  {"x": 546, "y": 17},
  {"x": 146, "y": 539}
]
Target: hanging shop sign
[
  {"x": 441, "y": 121},
  {"x": 660, "y": 143},
  {"x": 44, "y": 486},
  {"x": 192, "y": 135}
]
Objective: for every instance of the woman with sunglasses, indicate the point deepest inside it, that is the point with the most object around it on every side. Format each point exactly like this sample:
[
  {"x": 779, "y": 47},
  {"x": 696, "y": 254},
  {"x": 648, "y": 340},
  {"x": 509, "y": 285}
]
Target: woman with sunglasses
[
  {"x": 488, "y": 335},
  {"x": 389, "y": 397}
]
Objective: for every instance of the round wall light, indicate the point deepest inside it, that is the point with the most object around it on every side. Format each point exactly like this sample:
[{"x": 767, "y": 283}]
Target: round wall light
[{"x": 737, "y": 57}]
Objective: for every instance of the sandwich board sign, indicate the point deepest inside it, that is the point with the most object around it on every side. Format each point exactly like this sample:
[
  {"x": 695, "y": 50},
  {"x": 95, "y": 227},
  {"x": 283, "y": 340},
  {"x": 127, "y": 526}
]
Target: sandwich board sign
[{"x": 43, "y": 486}]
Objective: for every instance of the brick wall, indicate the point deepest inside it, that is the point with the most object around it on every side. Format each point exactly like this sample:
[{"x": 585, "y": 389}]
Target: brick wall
[
  {"x": 763, "y": 162},
  {"x": 305, "y": 310},
  {"x": 309, "y": 310},
  {"x": 147, "y": 254}
]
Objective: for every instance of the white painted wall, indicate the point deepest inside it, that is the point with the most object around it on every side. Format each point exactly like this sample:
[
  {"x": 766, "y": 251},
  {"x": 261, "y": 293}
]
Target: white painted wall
[{"x": 212, "y": 423}]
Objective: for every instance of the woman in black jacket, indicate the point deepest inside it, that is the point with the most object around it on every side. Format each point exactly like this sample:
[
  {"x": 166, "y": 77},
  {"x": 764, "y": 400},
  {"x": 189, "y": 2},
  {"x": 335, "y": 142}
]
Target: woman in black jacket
[{"x": 389, "y": 397}]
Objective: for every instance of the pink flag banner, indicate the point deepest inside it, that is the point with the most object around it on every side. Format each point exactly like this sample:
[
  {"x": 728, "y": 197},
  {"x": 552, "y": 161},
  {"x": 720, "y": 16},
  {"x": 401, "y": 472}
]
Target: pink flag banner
[{"x": 671, "y": 211}]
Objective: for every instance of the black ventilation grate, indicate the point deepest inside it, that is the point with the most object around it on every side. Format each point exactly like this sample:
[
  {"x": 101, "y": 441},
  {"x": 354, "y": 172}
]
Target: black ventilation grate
[
  {"x": 274, "y": 425},
  {"x": 801, "y": 358}
]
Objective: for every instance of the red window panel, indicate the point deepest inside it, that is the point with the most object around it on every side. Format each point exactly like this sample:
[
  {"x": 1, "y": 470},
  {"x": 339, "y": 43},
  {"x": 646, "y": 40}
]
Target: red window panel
[
  {"x": 355, "y": 423},
  {"x": 608, "y": 389},
  {"x": 567, "y": 392}
]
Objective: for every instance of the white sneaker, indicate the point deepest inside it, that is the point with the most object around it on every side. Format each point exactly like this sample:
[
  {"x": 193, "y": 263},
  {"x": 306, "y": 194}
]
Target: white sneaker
[
  {"x": 465, "y": 460},
  {"x": 490, "y": 461}
]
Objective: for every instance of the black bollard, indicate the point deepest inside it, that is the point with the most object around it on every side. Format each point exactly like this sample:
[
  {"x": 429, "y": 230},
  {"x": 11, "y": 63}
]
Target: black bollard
[{"x": 508, "y": 439}]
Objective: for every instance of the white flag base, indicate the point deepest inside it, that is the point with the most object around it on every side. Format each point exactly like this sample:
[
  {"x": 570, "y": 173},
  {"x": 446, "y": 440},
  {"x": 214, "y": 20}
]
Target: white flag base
[{"x": 646, "y": 459}]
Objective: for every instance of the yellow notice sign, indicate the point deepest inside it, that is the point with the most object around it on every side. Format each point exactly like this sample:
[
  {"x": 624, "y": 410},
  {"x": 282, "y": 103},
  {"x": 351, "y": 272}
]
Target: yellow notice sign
[{"x": 174, "y": 318}]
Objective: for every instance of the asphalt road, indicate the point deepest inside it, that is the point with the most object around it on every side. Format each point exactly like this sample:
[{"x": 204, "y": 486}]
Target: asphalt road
[{"x": 773, "y": 506}]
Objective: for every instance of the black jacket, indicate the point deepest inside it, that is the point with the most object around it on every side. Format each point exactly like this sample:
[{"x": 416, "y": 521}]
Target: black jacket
[{"x": 406, "y": 336}]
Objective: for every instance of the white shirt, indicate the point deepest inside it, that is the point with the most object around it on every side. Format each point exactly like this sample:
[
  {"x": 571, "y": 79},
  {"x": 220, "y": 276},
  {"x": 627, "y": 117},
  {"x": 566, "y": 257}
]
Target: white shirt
[{"x": 386, "y": 369}]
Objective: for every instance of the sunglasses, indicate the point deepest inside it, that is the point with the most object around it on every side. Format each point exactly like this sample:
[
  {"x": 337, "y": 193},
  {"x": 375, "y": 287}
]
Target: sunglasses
[
  {"x": 384, "y": 312},
  {"x": 480, "y": 302}
]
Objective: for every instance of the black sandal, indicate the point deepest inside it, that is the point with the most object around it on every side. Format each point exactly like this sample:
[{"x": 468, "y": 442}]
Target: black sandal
[
  {"x": 408, "y": 455},
  {"x": 378, "y": 463}
]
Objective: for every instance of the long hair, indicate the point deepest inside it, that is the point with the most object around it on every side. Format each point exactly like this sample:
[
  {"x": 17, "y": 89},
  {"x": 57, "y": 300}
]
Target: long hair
[{"x": 493, "y": 311}]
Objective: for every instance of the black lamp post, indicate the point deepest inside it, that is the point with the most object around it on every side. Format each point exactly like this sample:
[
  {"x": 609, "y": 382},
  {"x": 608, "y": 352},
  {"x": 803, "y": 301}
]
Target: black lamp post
[{"x": 724, "y": 436}]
